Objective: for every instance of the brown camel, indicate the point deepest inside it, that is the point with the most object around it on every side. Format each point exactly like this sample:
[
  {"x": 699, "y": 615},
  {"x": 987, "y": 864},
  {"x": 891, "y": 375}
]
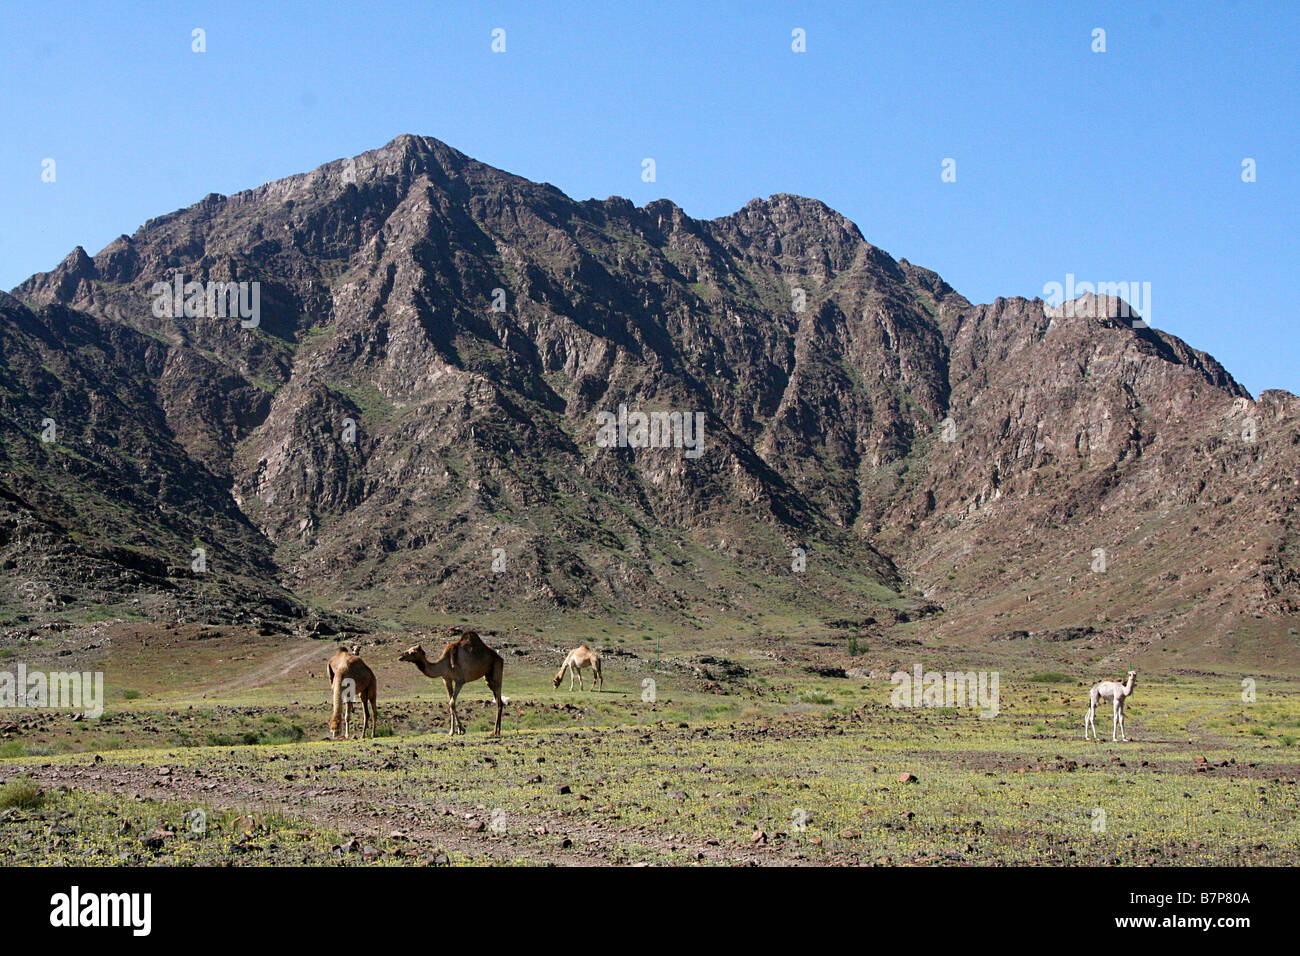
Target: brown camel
[
  {"x": 351, "y": 680},
  {"x": 465, "y": 659},
  {"x": 580, "y": 657}
]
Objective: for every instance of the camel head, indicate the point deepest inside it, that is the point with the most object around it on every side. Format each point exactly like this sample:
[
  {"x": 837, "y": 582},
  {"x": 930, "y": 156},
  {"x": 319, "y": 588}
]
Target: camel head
[
  {"x": 415, "y": 655},
  {"x": 556, "y": 681},
  {"x": 334, "y": 727}
]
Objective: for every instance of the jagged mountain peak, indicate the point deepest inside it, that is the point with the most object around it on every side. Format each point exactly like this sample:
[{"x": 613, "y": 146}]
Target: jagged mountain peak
[
  {"x": 437, "y": 338},
  {"x": 786, "y": 214}
]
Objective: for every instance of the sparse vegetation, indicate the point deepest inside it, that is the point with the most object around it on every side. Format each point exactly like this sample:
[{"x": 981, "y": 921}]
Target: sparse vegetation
[{"x": 222, "y": 719}]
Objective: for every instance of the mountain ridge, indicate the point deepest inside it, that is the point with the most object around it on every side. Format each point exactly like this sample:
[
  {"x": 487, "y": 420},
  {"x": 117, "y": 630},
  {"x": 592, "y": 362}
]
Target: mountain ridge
[{"x": 474, "y": 427}]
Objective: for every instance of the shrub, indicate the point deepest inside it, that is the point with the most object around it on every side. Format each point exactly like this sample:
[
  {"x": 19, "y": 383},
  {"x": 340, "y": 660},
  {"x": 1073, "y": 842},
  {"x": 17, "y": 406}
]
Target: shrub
[
  {"x": 22, "y": 794},
  {"x": 815, "y": 697}
]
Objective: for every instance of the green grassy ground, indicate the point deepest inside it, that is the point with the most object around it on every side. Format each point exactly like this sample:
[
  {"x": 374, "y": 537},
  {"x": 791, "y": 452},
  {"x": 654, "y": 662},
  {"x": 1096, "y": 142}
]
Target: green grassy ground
[{"x": 773, "y": 765}]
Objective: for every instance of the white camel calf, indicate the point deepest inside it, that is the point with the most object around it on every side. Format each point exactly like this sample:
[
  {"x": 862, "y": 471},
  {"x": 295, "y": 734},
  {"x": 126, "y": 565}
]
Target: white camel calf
[{"x": 1118, "y": 694}]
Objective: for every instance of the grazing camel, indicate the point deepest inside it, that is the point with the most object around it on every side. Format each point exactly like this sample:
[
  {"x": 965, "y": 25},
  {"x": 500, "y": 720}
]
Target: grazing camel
[
  {"x": 465, "y": 659},
  {"x": 578, "y": 658},
  {"x": 351, "y": 680},
  {"x": 1118, "y": 694}
]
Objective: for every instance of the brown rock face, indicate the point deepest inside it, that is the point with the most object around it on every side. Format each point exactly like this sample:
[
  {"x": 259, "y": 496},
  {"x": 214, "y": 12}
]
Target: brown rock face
[{"x": 412, "y": 419}]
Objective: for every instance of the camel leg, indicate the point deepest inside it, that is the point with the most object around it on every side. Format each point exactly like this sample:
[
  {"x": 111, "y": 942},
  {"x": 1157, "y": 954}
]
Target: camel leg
[
  {"x": 451, "y": 706},
  {"x": 572, "y": 671},
  {"x": 1114, "y": 721},
  {"x": 455, "y": 716},
  {"x": 496, "y": 695},
  {"x": 494, "y": 684},
  {"x": 581, "y": 685},
  {"x": 1123, "y": 736}
]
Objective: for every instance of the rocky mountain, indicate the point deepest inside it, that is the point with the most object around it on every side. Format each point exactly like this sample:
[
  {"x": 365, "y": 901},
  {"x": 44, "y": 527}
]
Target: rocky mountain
[{"x": 404, "y": 419}]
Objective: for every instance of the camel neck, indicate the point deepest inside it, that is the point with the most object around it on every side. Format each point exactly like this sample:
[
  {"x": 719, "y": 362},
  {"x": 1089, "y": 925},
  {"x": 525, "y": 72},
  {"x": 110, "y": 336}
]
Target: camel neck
[{"x": 436, "y": 668}]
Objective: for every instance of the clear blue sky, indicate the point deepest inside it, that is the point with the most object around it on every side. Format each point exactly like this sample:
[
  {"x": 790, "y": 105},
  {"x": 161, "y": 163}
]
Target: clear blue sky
[{"x": 1123, "y": 165}]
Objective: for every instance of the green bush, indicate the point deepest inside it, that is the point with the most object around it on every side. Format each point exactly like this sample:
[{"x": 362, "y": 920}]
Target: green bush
[
  {"x": 21, "y": 794},
  {"x": 287, "y": 735},
  {"x": 815, "y": 697}
]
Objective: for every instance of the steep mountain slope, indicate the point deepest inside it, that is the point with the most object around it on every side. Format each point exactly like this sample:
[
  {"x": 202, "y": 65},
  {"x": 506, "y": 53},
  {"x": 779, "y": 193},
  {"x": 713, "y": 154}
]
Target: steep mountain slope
[
  {"x": 97, "y": 497},
  {"x": 1099, "y": 478},
  {"x": 412, "y": 422}
]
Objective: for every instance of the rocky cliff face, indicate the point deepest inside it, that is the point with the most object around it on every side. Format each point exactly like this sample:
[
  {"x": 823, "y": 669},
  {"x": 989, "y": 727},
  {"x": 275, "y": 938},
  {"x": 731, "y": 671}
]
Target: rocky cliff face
[{"x": 412, "y": 421}]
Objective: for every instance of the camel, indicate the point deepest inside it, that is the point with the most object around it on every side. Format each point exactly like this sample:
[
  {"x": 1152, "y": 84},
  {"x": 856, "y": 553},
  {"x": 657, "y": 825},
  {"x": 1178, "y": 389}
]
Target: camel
[
  {"x": 351, "y": 680},
  {"x": 578, "y": 658},
  {"x": 1118, "y": 694},
  {"x": 465, "y": 659}
]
